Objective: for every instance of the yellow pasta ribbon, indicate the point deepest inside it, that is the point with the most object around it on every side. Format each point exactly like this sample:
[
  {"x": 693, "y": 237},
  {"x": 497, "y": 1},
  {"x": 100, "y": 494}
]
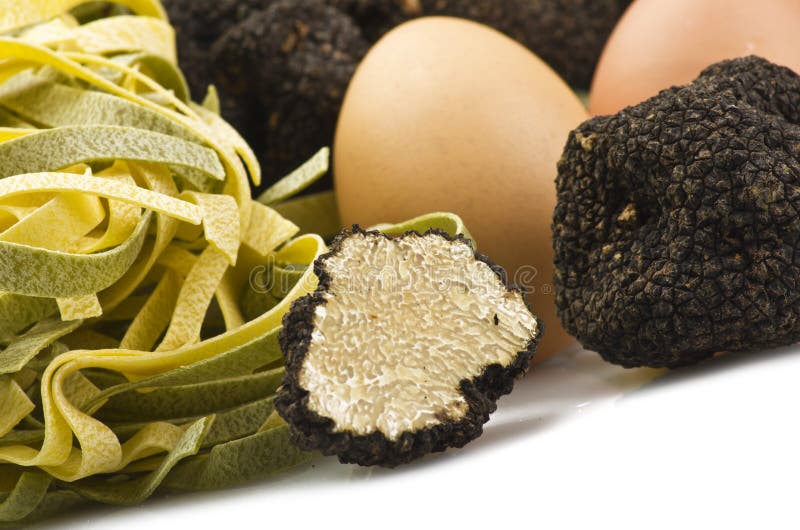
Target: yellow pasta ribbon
[
  {"x": 20, "y": 14},
  {"x": 128, "y": 238}
]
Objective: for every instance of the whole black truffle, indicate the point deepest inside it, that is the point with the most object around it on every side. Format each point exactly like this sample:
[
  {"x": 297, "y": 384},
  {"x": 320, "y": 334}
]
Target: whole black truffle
[
  {"x": 282, "y": 66},
  {"x": 376, "y": 17},
  {"x": 568, "y": 34},
  {"x": 677, "y": 232},
  {"x": 403, "y": 349},
  {"x": 198, "y": 24},
  {"x": 295, "y": 59}
]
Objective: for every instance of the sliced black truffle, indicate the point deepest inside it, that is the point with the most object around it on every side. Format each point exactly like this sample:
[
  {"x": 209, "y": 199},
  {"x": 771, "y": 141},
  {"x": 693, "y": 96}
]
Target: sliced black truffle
[
  {"x": 677, "y": 232},
  {"x": 403, "y": 350},
  {"x": 295, "y": 59}
]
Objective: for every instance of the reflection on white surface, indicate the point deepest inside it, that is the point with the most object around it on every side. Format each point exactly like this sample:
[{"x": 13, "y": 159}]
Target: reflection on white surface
[{"x": 579, "y": 444}]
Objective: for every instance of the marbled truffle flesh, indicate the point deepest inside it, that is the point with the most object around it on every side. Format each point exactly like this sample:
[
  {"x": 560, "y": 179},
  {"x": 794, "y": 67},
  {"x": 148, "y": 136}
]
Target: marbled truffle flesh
[{"x": 403, "y": 350}]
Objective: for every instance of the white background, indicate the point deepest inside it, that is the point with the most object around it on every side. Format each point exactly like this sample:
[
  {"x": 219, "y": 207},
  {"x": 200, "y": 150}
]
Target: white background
[{"x": 579, "y": 444}]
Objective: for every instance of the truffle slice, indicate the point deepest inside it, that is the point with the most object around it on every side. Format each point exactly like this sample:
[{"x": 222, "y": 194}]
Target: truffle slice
[
  {"x": 676, "y": 231},
  {"x": 403, "y": 349}
]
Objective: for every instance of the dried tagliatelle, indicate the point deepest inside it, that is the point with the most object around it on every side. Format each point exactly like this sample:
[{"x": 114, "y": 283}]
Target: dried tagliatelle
[{"x": 136, "y": 351}]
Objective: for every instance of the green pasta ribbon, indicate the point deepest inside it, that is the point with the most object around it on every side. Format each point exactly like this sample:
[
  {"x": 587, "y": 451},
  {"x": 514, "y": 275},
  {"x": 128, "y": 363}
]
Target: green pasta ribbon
[
  {"x": 127, "y": 240},
  {"x": 142, "y": 289}
]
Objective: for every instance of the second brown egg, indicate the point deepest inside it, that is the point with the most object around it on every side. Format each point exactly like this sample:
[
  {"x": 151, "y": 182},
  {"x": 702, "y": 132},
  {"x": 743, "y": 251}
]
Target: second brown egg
[{"x": 661, "y": 43}]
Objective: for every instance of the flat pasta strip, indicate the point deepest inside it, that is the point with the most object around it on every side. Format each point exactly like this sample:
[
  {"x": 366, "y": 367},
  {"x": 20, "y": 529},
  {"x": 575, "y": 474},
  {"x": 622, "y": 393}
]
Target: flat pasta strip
[
  {"x": 194, "y": 299},
  {"x": 79, "y": 307},
  {"x": 78, "y": 274},
  {"x": 58, "y": 224},
  {"x": 14, "y": 403},
  {"x": 127, "y": 33},
  {"x": 67, "y": 146},
  {"x": 27, "y": 494},
  {"x": 267, "y": 229},
  {"x": 127, "y": 238},
  {"x": 66, "y": 182},
  {"x": 40, "y": 99},
  {"x": 21, "y": 14},
  {"x": 298, "y": 180}
]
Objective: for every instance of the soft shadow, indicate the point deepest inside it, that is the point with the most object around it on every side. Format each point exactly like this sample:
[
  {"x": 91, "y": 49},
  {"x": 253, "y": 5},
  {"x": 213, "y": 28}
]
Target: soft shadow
[
  {"x": 493, "y": 435},
  {"x": 80, "y": 516},
  {"x": 563, "y": 386},
  {"x": 506, "y": 432},
  {"x": 573, "y": 380},
  {"x": 94, "y": 515},
  {"x": 719, "y": 364}
]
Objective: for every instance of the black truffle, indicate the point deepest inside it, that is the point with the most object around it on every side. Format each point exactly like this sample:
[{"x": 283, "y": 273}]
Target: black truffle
[
  {"x": 568, "y": 34},
  {"x": 676, "y": 232},
  {"x": 198, "y": 24},
  {"x": 403, "y": 349},
  {"x": 295, "y": 59},
  {"x": 376, "y": 17},
  {"x": 282, "y": 66}
]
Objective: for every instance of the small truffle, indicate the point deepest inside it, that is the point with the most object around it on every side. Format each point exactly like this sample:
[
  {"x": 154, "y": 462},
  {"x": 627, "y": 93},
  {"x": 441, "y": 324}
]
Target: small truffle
[
  {"x": 403, "y": 349},
  {"x": 676, "y": 232},
  {"x": 295, "y": 59}
]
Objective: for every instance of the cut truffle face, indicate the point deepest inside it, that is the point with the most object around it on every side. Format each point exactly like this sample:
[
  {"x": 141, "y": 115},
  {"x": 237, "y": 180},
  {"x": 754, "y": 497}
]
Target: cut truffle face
[
  {"x": 403, "y": 350},
  {"x": 676, "y": 232}
]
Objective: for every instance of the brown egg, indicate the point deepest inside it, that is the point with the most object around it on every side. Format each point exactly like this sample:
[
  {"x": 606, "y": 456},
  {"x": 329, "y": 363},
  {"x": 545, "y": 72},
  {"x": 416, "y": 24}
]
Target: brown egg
[
  {"x": 449, "y": 115},
  {"x": 661, "y": 43}
]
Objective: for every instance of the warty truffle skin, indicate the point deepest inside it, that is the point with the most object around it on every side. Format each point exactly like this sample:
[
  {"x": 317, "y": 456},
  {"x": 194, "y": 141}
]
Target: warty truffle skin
[
  {"x": 311, "y": 431},
  {"x": 677, "y": 232},
  {"x": 282, "y": 66},
  {"x": 569, "y": 35},
  {"x": 292, "y": 62},
  {"x": 376, "y": 17},
  {"x": 198, "y": 24}
]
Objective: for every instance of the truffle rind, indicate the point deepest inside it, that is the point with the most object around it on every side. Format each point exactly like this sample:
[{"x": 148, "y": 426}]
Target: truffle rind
[
  {"x": 569, "y": 35},
  {"x": 311, "y": 431},
  {"x": 377, "y": 17},
  {"x": 285, "y": 98},
  {"x": 198, "y": 23},
  {"x": 291, "y": 63},
  {"x": 676, "y": 232}
]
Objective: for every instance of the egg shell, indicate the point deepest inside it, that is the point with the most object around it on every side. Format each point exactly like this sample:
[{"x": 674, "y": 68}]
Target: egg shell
[
  {"x": 661, "y": 43},
  {"x": 445, "y": 114}
]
